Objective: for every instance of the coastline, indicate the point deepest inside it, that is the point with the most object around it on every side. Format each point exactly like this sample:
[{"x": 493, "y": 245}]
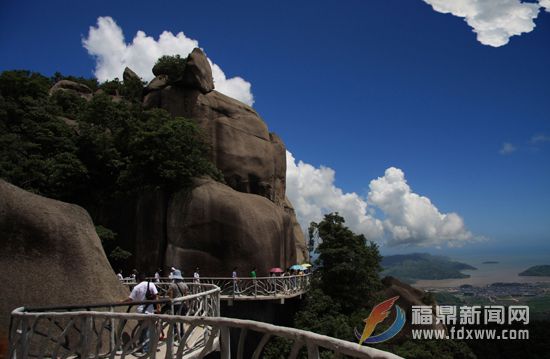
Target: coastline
[{"x": 506, "y": 271}]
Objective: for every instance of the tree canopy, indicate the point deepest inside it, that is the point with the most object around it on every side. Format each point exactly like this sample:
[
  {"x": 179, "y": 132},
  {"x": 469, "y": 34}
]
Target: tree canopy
[
  {"x": 65, "y": 147},
  {"x": 348, "y": 264},
  {"x": 95, "y": 150},
  {"x": 171, "y": 66}
]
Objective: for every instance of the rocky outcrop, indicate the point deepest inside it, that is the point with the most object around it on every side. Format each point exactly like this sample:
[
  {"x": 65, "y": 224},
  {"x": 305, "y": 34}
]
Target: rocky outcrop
[
  {"x": 197, "y": 72},
  {"x": 73, "y": 87},
  {"x": 130, "y": 76},
  {"x": 246, "y": 221},
  {"x": 216, "y": 228},
  {"x": 50, "y": 254},
  {"x": 302, "y": 253},
  {"x": 252, "y": 160}
]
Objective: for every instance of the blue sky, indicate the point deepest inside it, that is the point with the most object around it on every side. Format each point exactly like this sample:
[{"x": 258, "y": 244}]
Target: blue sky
[{"x": 359, "y": 87}]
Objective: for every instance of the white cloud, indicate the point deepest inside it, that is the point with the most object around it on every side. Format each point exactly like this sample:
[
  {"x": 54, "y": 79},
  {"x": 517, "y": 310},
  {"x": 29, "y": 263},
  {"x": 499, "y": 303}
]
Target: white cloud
[
  {"x": 409, "y": 219},
  {"x": 494, "y": 21},
  {"x": 545, "y": 4},
  {"x": 106, "y": 43},
  {"x": 313, "y": 194},
  {"x": 412, "y": 219},
  {"x": 507, "y": 148},
  {"x": 540, "y": 138}
]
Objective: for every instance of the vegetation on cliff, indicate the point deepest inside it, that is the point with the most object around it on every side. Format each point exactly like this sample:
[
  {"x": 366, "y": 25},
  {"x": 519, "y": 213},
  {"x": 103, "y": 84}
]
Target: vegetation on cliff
[{"x": 93, "y": 148}]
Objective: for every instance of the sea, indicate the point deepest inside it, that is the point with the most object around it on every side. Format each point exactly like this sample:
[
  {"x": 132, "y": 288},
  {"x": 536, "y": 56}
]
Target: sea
[{"x": 506, "y": 270}]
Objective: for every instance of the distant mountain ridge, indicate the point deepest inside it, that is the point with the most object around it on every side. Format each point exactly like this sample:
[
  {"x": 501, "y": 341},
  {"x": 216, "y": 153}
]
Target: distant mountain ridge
[{"x": 415, "y": 266}]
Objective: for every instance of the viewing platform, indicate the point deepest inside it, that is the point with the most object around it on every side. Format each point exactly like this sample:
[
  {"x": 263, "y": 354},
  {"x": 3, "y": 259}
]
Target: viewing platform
[
  {"x": 245, "y": 289},
  {"x": 189, "y": 327}
]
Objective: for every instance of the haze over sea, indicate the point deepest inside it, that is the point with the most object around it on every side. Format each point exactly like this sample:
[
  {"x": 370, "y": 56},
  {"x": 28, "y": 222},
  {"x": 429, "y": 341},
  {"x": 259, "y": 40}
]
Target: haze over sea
[{"x": 506, "y": 270}]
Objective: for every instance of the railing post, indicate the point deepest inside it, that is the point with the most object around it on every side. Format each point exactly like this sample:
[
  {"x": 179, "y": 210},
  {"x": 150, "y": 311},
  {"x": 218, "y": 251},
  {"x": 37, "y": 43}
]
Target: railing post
[
  {"x": 24, "y": 338},
  {"x": 312, "y": 351},
  {"x": 112, "y": 337},
  {"x": 225, "y": 343},
  {"x": 85, "y": 332}
]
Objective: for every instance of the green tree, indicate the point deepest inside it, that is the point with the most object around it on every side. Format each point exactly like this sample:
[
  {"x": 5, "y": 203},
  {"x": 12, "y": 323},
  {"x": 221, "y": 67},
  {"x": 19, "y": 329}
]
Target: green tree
[
  {"x": 92, "y": 152},
  {"x": 37, "y": 149},
  {"x": 171, "y": 66},
  {"x": 344, "y": 285},
  {"x": 348, "y": 264},
  {"x": 108, "y": 240}
]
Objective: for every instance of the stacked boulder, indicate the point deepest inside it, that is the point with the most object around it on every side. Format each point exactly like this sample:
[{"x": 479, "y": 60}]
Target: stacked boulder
[{"x": 248, "y": 221}]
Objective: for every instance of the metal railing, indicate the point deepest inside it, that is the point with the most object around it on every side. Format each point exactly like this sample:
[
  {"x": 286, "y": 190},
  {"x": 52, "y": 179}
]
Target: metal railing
[
  {"x": 190, "y": 328},
  {"x": 248, "y": 288},
  {"x": 114, "y": 329},
  {"x": 89, "y": 344}
]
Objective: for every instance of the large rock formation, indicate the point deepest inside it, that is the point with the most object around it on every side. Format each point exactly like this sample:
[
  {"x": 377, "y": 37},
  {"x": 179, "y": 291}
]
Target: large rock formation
[
  {"x": 217, "y": 226},
  {"x": 50, "y": 255},
  {"x": 252, "y": 159},
  {"x": 248, "y": 221},
  {"x": 72, "y": 87}
]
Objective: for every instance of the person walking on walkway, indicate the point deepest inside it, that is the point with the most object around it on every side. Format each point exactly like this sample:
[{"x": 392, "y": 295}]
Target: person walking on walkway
[
  {"x": 144, "y": 291},
  {"x": 178, "y": 289},
  {"x": 235, "y": 281},
  {"x": 254, "y": 282}
]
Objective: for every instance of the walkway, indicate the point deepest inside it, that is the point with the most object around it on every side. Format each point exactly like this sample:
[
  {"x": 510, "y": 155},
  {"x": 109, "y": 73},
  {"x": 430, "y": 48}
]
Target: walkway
[
  {"x": 117, "y": 331},
  {"x": 247, "y": 289}
]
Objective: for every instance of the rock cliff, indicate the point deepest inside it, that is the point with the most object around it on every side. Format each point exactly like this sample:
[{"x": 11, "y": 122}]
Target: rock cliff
[
  {"x": 51, "y": 255},
  {"x": 248, "y": 221}
]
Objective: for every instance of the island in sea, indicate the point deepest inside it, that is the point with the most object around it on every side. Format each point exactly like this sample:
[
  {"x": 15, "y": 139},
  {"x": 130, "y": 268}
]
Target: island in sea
[
  {"x": 491, "y": 262},
  {"x": 537, "y": 271},
  {"x": 415, "y": 266}
]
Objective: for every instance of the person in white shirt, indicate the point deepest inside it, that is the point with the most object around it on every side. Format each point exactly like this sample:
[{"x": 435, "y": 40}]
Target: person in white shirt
[
  {"x": 143, "y": 291},
  {"x": 119, "y": 275},
  {"x": 139, "y": 294}
]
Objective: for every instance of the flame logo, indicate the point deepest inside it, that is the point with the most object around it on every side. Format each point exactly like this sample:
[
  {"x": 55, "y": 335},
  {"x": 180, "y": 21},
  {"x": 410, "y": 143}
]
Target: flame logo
[{"x": 377, "y": 315}]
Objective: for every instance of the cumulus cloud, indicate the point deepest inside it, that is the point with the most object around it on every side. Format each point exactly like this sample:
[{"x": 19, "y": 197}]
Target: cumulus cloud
[
  {"x": 494, "y": 21},
  {"x": 313, "y": 194},
  {"x": 507, "y": 148},
  {"x": 411, "y": 218},
  {"x": 106, "y": 43},
  {"x": 408, "y": 218},
  {"x": 545, "y": 4}
]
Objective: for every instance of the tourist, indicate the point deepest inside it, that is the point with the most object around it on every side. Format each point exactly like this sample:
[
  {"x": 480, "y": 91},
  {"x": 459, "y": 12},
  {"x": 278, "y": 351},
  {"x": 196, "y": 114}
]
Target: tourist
[
  {"x": 157, "y": 275},
  {"x": 177, "y": 289},
  {"x": 196, "y": 276},
  {"x": 134, "y": 275},
  {"x": 253, "y": 276},
  {"x": 273, "y": 282},
  {"x": 119, "y": 275},
  {"x": 235, "y": 283},
  {"x": 172, "y": 269},
  {"x": 143, "y": 291}
]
